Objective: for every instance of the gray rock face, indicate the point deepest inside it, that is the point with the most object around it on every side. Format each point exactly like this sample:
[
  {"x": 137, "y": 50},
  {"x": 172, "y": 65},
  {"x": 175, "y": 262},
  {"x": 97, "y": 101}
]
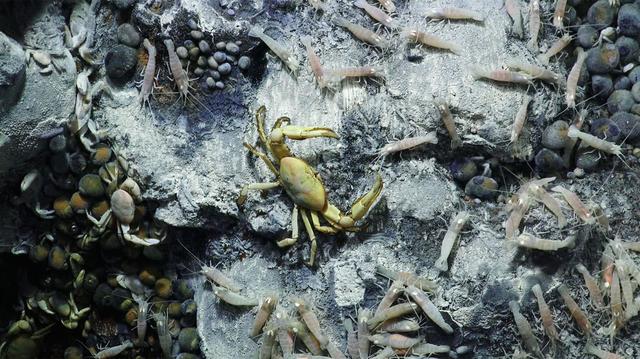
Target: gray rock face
[
  {"x": 36, "y": 112},
  {"x": 12, "y": 71}
]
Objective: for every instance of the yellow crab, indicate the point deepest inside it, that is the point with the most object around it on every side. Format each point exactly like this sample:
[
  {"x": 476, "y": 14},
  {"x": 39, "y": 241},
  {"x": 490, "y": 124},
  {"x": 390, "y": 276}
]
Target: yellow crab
[{"x": 303, "y": 184}]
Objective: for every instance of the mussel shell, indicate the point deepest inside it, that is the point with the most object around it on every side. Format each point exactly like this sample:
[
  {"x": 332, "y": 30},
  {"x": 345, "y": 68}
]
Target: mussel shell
[
  {"x": 123, "y": 206},
  {"x": 189, "y": 340},
  {"x": 91, "y": 185}
]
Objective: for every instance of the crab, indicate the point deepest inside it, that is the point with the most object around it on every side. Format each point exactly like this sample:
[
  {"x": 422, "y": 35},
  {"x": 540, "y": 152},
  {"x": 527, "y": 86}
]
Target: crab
[
  {"x": 303, "y": 184},
  {"x": 21, "y": 341}
]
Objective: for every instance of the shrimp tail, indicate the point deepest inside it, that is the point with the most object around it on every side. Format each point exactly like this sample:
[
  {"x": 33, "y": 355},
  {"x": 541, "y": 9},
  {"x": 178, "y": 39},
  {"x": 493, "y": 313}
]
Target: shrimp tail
[
  {"x": 340, "y": 21},
  {"x": 256, "y": 31}
]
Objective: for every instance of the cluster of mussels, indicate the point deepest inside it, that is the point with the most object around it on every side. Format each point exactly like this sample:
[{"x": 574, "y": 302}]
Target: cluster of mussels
[
  {"x": 94, "y": 269},
  {"x": 213, "y": 61}
]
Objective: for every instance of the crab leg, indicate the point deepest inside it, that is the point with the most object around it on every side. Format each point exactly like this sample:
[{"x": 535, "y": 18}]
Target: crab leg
[
  {"x": 294, "y": 230},
  {"x": 263, "y": 157},
  {"x": 358, "y": 210},
  {"x": 255, "y": 186},
  {"x": 312, "y": 236},
  {"x": 320, "y": 228}
]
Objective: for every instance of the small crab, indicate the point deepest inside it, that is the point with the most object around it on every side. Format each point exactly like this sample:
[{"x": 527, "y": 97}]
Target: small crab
[
  {"x": 303, "y": 184},
  {"x": 21, "y": 341}
]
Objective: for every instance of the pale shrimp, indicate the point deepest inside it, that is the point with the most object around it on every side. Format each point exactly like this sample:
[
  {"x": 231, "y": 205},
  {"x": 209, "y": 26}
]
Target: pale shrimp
[
  {"x": 627, "y": 290},
  {"x": 396, "y": 341},
  {"x": 268, "y": 341},
  {"x": 232, "y": 298},
  {"x": 264, "y": 312},
  {"x": 399, "y": 326},
  {"x": 407, "y": 144},
  {"x": 529, "y": 241},
  {"x": 616, "y": 305},
  {"x": 607, "y": 266},
  {"x": 534, "y": 25},
  {"x": 363, "y": 333},
  {"x": 549, "y": 201},
  {"x": 179, "y": 74},
  {"x": 407, "y": 278},
  {"x": 521, "y": 118},
  {"x": 455, "y": 227},
  {"x": 453, "y": 13},
  {"x": 376, "y": 13},
  {"x": 571, "y": 142},
  {"x": 283, "y": 337},
  {"x": 428, "y": 308},
  {"x": 519, "y": 206},
  {"x": 114, "y": 351},
  {"x": 397, "y": 287},
  {"x": 545, "y": 315},
  {"x": 632, "y": 246},
  {"x": 352, "y": 340},
  {"x": 592, "y": 286},
  {"x": 601, "y": 217},
  {"x": 536, "y": 72},
  {"x": 149, "y": 73},
  {"x": 500, "y": 75},
  {"x": 314, "y": 62},
  {"x": 337, "y": 75},
  {"x": 310, "y": 319},
  {"x": 576, "y": 204},
  {"x": 388, "y": 5},
  {"x": 430, "y": 40},
  {"x": 141, "y": 321},
  {"x": 575, "y": 311},
  {"x": 514, "y": 11},
  {"x": 524, "y": 328},
  {"x": 395, "y": 311},
  {"x": 164, "y": 335},
  {"x": 449, "y": 123},
  {"x": 558, "y": 15},
  {"x": 573, "y": 77},
  {"x": 595, "y": 142},
  {"x": 213, "y": 274},
  {"x": 307, "y": 337},
  {"x": 555, "y": 49},
  {"x": 278, "y": 49},
  {"x": 334, "y": 352},
  {"x": 430, "y": 349},
  {"x": 362, "y": 33},
  {"x": 599, "y": 353}
]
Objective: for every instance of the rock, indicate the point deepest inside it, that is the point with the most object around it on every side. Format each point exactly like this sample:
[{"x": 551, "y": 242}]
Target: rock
[
  {"x": 120, "y": 62},
  {"x": 12, "y": 71},
  {"x": 244, "y": 62},
  {"x": 128, "y": 35},
  {"x": 224, "y": 69}
]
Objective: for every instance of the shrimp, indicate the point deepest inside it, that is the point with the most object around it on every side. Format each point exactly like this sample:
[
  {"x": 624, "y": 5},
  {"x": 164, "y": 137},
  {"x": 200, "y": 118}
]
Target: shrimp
[
  {"x": 597, "y": 352},
  {"x": 558, "y": 15},
  {"x": 363, "y": 333},
  {"x": 266, "y": 308},
  {"x": 388, "y": 5},
  {"x": 449, "y": 124},
  {"x": 278, "y": 49},
  {"x": 454, "y": 13},
  {"x": 307, "y": 337},
  {"x": 213, "y": 274},
  {"x": 337, "y": 75},
  {"x": 536, "y": 72},
  {"x": 334, "y": 352},
  {"x": 232, "y": 298},
  {"x": 545, "y": 315},
  {"x": 575, "y": 311},
  {"x": 607, "y": 266},
  {"x": 428, "y": 308},
  {"x": 430, "y": 40},
  {"x": 407, "y": 278},
  {"x": 376, "y": 13},
  {"x": 285, "y": 340},
  {"x": 395, "y": 311},
  {"x": 268, "y": 341},
  {"x": 352, "y": 340},
  {"x": 430, "y": 349},
  {"x": 455, "y": 226},
  {"x": 595, "y": 142},
  {"x": 573, "y": 77},
  {"x": 396, "y": 341},
  {"x": 114, "y": 351},
  {"x": 555, "y": 49},
  {"x": 519, "y": 206},
  {"x": 554, "y": 206},
  {"x": 592, "y": 285},
  {"x": 534, "y": 25},
  {"x": 164, "y": 336},
  {"x": 149, "y": 74},
  {"x": 521, "y": 117},
  {"x": 390, "y": 297},
  {"x": 616, "y": 305},
  {"x": 179, "y": 74},
  {"x": 500, "y": 75},
  {"x": 362, "y": 33},
  {"x": 571, "y": 142},
  {"x": 576, "y": 204},
  {"x": 601, "y": 217},
  {"x": 627, "y": 291},
  {"x": 387, "y": 352},
  {"x": 524, "y": 328},
  {"x": 514, "y": 11},
  {"x": 632, "y": 246},
  {"x": 141, "y": 322},
  {"x": 406, "y": 144},
  {"x": 529, "y": 241},
  {"x": 310, "y": 319},
  {"x": 314, "y": 62},
  {"x": 399, "y": 326}
]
